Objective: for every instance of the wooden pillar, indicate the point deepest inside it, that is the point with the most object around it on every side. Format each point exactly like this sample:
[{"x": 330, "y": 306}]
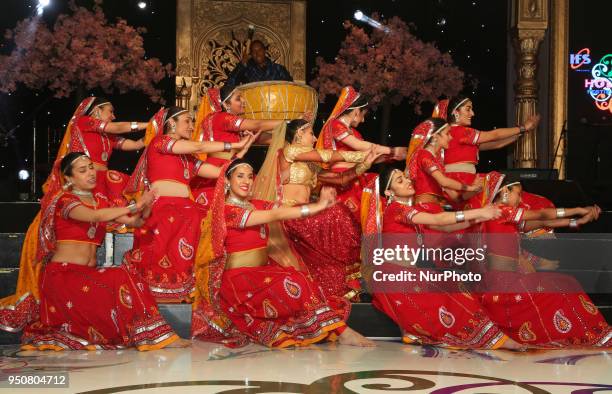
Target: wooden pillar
[
  {"x": 559, "y": 33},
  {"x": 530, "y": 24}
]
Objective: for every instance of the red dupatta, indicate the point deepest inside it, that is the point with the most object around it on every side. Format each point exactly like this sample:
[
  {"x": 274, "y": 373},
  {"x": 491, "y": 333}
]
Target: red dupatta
[
  {"x": 441, "y": 110},
  {"x": 420, "y": 136},
  {"x": 209, "y": 321},
  {"x": 138, "y": 180},
  {"x": 39, "y": 241},
  {"x": 210, "y": 105},
  {"x": 348, "y": 96}
]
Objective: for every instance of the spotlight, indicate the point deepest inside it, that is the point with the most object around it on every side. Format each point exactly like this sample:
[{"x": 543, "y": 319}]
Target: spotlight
[
  {"x": 41, "y": 6},
  {"x": 142, "y": 5},
  {"x": 360, "y": 16},
  {"x": 23, "y": 175}
]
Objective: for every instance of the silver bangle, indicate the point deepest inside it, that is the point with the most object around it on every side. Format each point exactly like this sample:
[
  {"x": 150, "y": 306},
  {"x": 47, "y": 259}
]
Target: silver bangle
[
  {"x": 305, "y": 211},
  {"x": 459, "y": 217},
  {"x": 134, "y": 126},
  {"x": 573, "y": 223},
  {"x": 227, "y": 147},
  {"x": 560, "y": 213},
  {"x": 133, "y": 208}
]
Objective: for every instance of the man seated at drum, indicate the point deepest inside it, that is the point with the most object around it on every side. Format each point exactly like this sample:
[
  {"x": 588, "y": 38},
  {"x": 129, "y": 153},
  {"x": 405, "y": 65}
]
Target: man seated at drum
[{"x": 256, "y": 66}]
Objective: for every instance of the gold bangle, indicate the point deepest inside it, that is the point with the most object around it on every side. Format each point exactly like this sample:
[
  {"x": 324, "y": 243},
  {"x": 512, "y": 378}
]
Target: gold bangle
[
  {"x": 361, "y": 168},
  {"x": 352, "y": 156}
]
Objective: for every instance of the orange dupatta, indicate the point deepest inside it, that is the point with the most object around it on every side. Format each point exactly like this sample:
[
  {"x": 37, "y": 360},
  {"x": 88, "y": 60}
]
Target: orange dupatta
[{"x": 31, "y": 253}]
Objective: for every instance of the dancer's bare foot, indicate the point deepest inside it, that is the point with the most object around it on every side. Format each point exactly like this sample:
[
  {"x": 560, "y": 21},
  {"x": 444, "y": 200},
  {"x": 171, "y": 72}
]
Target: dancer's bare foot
[
  {"x": 511, "y": 344},
  {"x": 180, "y": 343},
  {"x": 353, "y": 338}
]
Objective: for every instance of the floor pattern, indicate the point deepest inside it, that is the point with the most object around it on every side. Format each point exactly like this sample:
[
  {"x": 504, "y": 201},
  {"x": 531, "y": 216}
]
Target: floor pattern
[{"x": 327, "y": 368}]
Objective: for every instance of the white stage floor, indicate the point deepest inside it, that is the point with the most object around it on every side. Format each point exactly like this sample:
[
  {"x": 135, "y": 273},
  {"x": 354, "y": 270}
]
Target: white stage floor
[{"x": 327, "y": 368}]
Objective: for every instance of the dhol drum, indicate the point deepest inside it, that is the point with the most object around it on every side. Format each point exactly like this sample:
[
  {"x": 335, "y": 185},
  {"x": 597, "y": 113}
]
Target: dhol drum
[{"x": 278, "y": 100}]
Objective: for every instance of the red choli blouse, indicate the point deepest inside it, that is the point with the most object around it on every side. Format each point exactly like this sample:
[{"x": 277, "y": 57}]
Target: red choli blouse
[
  {"x": 162, "y": 164},
  {"x": 99, "y": 144},
  {"x": 502, "y": 235},
  {"x": 339, "y": 132},
  {"x": 463, "y": 147},
  {"x": 426, "y": 164},
  {"x": 67, "y": 229},
  {"x": 398, "y": 219},
  {"x": 224, "y": 127},
  {"x": 240, "y": 238}
]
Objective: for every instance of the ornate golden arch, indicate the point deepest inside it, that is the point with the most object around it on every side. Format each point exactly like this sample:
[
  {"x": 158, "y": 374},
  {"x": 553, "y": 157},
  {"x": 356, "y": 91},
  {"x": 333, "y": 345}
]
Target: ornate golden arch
[{"x": 211, "y": 35}]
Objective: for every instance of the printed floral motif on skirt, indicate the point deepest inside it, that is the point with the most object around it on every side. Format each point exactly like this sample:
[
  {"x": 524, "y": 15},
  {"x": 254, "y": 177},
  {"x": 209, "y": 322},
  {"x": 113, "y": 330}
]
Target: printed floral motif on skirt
[
  {"x": 164, "y": 248},
  {"x": 329, "y": 244},
  {"x": 279, "y": 307},
  {"x": 88, "y": 308}
]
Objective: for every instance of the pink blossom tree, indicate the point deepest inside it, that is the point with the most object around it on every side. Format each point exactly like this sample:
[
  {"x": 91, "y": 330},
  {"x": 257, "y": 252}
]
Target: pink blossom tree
[
  {"x": 389, "y": 67},
  {"x": 82, "y": 51}
]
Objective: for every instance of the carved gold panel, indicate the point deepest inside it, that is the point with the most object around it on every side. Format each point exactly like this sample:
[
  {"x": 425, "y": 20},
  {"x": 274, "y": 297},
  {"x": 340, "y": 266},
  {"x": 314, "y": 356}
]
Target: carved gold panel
[{"x": 212, "y": 35}]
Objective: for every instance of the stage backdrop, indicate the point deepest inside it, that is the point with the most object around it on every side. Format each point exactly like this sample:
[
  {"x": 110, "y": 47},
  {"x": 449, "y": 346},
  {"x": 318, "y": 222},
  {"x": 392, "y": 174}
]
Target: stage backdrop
[{"x": 211, "y": 35}]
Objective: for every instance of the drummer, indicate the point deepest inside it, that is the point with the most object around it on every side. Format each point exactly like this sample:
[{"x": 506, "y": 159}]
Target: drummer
[
  {"x": 225, "y": 124},
  {"x": 256, "y": 66}
]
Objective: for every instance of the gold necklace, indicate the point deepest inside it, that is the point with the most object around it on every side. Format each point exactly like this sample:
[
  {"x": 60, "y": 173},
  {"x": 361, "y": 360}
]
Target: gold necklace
[
  {"x": 93, "y": 226},
  {"x": 240, "y": 203},
  {"x": 82, "y": 193}
]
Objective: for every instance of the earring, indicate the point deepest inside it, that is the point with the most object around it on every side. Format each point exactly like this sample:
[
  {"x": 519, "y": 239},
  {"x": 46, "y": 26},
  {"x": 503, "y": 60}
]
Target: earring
[
  {"x": 227, "y": 188},
  {"x": 390, "y": 197},
  {"x": 298, "y": 139},
  {"x": 433, "y": 143},
  {"x": 505, "y": 198},
  {"x": 173, "y": 127},
  {"x": 456, "y": 117},
  {"x": 67, "y": 185}
]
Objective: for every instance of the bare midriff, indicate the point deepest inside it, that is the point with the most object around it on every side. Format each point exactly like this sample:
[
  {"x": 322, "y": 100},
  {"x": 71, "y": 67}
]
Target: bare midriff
[
  {"x": 461, "y": 167},
  {"x": 296, "y": 194},
  {"x": 247, "y": 258},
  {"x": 428, "y": 198},
  {"x": 75, "y": 252},
  {"x": 170, "y": 188}
]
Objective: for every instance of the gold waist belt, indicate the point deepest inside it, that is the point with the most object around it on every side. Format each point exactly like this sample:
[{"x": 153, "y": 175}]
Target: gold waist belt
[
  {"x": 247, "y": 258},
  {"x": 222, "y": 155}
]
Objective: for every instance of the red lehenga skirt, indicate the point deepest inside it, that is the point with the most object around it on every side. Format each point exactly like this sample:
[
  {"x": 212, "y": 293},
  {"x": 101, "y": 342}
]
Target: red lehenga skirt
[
  {"x": 350, "y": 195},
  {"x": 88, "y": 308},
  {"x": 111, "y": 184},
  {"x": 165, "y": 247},
  {"x": 544, "y": 309},
  {"x": 279, "y": 307},
  {"x": 329, "y": 243},
  {"x": 202, "y": 190},
  {"x": 439, "y": 314}
]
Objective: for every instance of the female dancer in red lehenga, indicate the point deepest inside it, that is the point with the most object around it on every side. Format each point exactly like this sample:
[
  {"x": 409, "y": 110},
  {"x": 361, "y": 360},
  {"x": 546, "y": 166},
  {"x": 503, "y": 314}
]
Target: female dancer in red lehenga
[
  {"x": 537, "y": 309},
  {"x": 433, "y": 189},
  {"x": 328, "y": 243},
  {"x": 91, "y": 130},
  {"x": 433, "y": 313},
  {"x": 340, "y": 134},
  {"x": 81, "y": 306},
  {"x": 219, "y": 119},
  {"x": 164, "y": 247},
  {"x": 461, "y": 156},
  {"x": 244, "y": 295}
]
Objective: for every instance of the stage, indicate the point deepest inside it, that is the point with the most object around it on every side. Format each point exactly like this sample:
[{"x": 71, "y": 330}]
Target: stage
[{"x": 326, "y": 368}]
